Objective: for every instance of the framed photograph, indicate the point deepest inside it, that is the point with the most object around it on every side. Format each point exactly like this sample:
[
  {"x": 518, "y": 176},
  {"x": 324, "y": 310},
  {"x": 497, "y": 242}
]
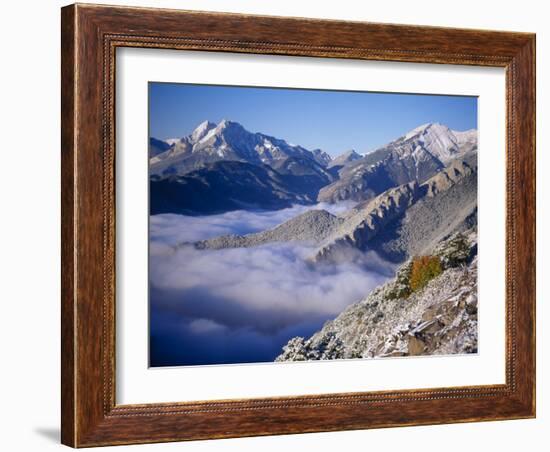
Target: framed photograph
[{"x": 281, "y": 225}]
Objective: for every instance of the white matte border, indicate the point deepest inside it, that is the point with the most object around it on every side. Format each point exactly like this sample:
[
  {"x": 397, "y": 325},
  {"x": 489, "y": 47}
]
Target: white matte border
[{"x": 136, "y": 383}]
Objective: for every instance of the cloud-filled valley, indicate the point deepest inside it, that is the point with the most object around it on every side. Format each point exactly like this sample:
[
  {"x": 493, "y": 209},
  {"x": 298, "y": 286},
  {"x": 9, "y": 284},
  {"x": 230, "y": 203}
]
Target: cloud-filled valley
[{"x": 214, "y": 305}]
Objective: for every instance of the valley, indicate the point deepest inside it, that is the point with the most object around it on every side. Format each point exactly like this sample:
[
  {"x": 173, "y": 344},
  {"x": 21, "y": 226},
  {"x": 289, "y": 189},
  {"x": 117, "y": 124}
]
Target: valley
[{"x": 313, "y": 256}]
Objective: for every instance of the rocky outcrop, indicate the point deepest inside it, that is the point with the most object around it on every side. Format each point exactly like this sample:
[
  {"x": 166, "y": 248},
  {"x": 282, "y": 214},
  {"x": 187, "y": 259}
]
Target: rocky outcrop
[
  {"x": 363, "y": 180},
  {"x": 440, "y": 318},
  {"x": 457, "y": 170},
  {"x": 438, "y": 214}
]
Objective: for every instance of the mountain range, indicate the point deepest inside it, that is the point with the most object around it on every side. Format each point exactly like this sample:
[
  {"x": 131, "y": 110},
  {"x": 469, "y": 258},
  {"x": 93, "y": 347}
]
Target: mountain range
[
  {"x": 223, "y": 167},
  {"x": 401, "y": 222},
  {"x": 416, "y": 156},
  {"x": 413, "y": 198},
  {"x": 227, "y": 140}
]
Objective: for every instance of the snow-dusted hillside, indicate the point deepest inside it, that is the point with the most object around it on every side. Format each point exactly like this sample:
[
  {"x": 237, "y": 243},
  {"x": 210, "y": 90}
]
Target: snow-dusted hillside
[{"x": 440, "y": 318}]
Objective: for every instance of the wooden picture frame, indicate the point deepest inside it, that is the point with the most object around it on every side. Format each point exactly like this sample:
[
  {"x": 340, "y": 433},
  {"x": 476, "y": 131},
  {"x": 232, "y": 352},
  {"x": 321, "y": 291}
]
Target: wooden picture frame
[{"x": 90, "y": 36}]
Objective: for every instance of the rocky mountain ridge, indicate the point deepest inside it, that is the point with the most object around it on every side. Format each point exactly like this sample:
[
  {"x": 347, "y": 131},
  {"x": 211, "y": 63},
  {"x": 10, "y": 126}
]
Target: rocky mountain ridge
[
  {"x": 375, "y": 218},
  {"x": 313, "y": 226},
  {"x": 227, "y": 140},
  {"x": 398, "y": 223},
  {"x": 293, "y": 173},
  {"x": 416, "y": 156}
]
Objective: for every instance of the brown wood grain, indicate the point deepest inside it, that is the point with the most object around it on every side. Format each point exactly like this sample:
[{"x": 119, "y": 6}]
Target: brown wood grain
[
  {"x": 90, "y": 36},
  {"x": 67, "y": 226}
]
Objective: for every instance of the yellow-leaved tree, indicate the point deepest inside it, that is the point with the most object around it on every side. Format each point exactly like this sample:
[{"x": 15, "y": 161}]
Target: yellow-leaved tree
[{"x": 424, "y": 268}]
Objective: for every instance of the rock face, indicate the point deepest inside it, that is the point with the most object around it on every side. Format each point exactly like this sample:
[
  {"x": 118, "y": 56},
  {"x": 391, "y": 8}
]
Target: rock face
[
  {"x": 456, "y": 170},
  {"x": 448, "y": 204},
  {"x": 442, "y": 142},
  {"x": 366, "y": 221},
  {"x": 440, "y": 318},
  {"x": 416, "y": 156}
]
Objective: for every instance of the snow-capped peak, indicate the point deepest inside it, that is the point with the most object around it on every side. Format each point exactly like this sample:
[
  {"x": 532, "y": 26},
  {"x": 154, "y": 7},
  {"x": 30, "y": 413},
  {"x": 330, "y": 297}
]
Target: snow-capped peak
[
  {"x": 344, "y": 158},
  {"x": 423, "y": 129},
  {"x": 227, "y": 124},
  {"x": 229, "y": 140},
  {"x": 201, "y": 130},
  {"x": 467, "y": 136},
  {"x": 439, "y": 140}
]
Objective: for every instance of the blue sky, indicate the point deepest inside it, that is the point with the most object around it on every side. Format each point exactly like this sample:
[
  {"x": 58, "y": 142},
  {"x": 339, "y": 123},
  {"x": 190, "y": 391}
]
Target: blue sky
[{"x": 334, "y": 121}]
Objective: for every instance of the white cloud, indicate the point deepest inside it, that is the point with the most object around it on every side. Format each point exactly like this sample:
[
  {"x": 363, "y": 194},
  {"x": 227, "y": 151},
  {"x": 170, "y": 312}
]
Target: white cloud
[{"x": 173, "y": 229}]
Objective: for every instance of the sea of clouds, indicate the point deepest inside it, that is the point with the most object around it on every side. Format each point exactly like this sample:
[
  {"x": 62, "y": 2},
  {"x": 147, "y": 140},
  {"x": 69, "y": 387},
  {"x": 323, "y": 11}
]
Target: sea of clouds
[{"x": 243, "y": 304}]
